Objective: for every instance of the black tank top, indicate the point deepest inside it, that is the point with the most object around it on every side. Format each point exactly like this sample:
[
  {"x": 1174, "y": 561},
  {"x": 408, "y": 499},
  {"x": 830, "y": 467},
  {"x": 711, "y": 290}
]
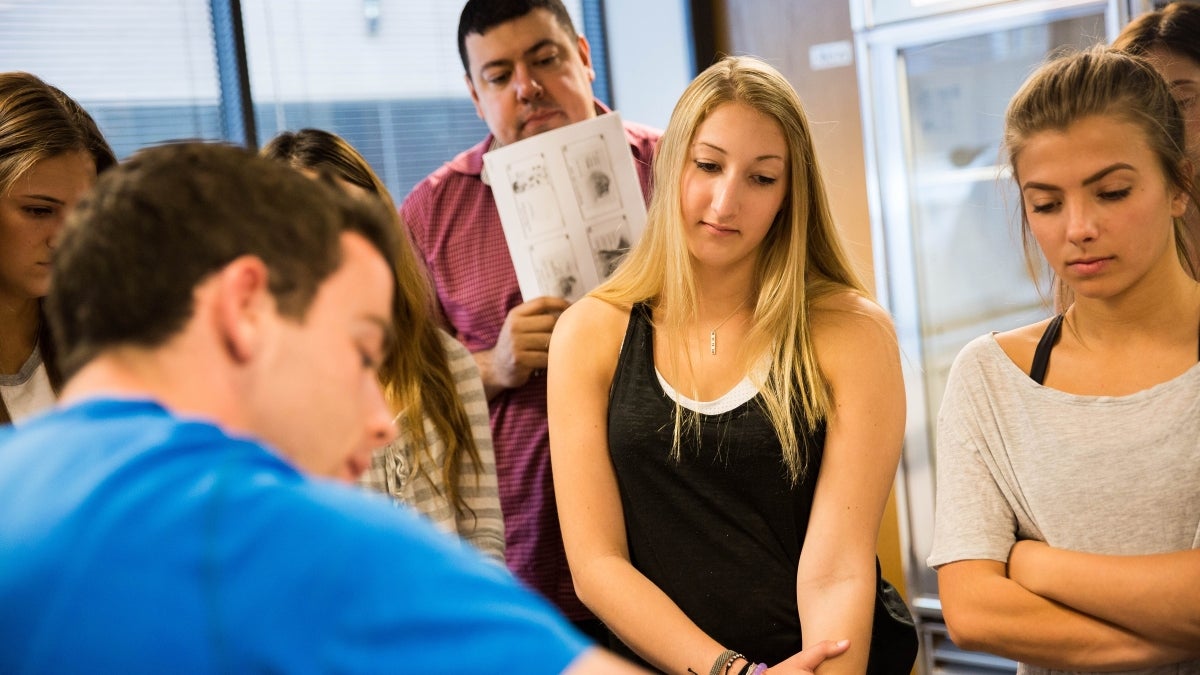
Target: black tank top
[
  {"x": 1041, "y": 355},
  {"x": 720, "y": 529}
]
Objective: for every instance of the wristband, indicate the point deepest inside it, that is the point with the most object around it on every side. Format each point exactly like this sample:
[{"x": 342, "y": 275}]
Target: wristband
[{"x": 724, "y": 661}]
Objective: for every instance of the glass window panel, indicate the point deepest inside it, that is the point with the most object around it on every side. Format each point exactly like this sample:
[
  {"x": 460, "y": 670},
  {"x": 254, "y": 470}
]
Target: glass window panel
[
  {"x": 383, "y": 74},
  {"x": 145, "y": 70},
  {"x": 970, "y": 266},
  {"x": 950, "y": 257}
]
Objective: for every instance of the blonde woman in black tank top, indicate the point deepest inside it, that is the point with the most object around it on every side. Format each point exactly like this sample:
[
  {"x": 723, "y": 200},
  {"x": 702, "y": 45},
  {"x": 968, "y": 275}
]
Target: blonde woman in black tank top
[{"x": 726, "y": 412}]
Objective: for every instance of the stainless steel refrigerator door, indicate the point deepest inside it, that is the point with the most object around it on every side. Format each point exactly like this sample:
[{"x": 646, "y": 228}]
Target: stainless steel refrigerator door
[{"x": 946, "y": 217}]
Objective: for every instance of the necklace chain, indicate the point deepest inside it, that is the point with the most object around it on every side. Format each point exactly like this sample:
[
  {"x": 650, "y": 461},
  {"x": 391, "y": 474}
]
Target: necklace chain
[{"x": 712, "y": 335}]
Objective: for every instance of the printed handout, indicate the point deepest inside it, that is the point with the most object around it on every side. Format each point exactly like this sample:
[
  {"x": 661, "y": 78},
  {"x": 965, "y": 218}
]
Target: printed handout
[{"x": 570, "y": 204}]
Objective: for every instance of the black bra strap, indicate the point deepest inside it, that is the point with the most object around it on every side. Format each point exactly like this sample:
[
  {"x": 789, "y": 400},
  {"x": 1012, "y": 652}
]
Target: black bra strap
[{"x": 1041, "y": 357}]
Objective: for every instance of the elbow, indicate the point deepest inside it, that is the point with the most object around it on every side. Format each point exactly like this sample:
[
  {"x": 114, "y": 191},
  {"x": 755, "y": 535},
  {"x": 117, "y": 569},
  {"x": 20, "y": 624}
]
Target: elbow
[
  {"x": 977, "y": 605},
  {"x": 965, "y": 638},
  {"x": 967, "y": 629},
  {"x": 586, "y": 589},
  {"x": 586, "y": 592},
  {"x": 595, "y": 577}
]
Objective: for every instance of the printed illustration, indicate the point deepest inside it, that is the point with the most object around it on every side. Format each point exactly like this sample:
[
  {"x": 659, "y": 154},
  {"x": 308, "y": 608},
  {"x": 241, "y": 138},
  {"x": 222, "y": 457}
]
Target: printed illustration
[
  {"x": 591, "y": 174},
  {"x": 609, "y": 242},
  {"x": 557, "y": 273},
  {"x": 571, "y": 204},
  {"x": 533, "y": 192}
]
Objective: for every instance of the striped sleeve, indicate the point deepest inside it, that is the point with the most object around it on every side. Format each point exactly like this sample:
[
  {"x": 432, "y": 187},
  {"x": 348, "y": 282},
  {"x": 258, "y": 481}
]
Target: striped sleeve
[
  {"x": 415, "y": 478},
  {"x": 483, "y": 524}
]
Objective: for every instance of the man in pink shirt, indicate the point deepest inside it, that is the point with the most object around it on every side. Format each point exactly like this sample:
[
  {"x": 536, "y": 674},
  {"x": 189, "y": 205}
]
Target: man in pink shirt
[{"x": 528, "y": 71}]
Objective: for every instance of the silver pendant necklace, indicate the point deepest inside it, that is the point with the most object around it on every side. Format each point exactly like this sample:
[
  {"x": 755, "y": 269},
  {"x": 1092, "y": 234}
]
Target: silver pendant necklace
[{"x": 712, "y": 335}]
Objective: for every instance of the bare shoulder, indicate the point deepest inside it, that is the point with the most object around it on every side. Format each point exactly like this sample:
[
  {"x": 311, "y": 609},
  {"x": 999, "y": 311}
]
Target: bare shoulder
[
  {"x": 847, "y": 315},
  {"x": 593, "y": 318},
  {"x": 1020, "y": 344},
  {"x": 859, "y": 358},
  {"x": 589, "y": 332},
  {"x": 853, "y": 337}
]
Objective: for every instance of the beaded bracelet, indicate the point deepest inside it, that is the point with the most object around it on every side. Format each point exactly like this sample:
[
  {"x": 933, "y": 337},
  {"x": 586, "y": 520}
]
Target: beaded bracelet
[{"x": 724, "y": 661}]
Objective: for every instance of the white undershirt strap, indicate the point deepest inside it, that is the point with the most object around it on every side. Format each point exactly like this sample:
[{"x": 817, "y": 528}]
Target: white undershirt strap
[{"x": 742, "y": 391}]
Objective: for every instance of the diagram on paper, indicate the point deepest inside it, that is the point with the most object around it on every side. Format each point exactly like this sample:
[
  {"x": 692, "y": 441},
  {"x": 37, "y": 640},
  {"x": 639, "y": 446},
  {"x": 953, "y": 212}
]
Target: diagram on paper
[
  {"x": 609, "y": 241},
  {"x": 570, "y": 203},
  {"x": 533, "y": 193},
  {"x": 557, "y": 273},
  {"x": 592, "y": 177}
]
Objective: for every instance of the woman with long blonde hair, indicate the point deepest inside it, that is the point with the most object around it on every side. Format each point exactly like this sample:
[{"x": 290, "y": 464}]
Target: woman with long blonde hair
[
  {"x": 726, "y": 412},
  {"x": 442, "y": 462}
]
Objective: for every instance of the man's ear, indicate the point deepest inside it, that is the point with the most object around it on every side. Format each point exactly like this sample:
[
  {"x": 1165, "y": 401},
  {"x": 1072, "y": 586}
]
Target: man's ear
[
  {"x": 585, "y": 55},
  {"x": 243, "y": 306},
  {"x": 474, "y": 95}
]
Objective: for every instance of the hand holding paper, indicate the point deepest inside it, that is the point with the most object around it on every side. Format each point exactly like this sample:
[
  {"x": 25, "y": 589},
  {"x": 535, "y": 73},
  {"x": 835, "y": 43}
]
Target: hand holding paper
[{"x": 522, "y": 346}]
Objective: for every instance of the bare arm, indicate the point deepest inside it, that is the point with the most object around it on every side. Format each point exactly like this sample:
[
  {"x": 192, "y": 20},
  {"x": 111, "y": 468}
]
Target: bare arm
[
  {"x": 1157, "y": 596},
  {"x": 987, "y": 611},
  {"x": 522, "y": 346},
  {"x": 599, "y": 662},
  {"x": 583, "y": 359},
  {"x": 835, "y": 586},
  {"x": 582, "y": 362}
]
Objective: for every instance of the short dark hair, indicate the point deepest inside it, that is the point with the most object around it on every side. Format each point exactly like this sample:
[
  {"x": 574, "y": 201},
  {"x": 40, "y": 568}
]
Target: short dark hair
[
  {"x": 155, "y": 227},
  {"x": 480, "y": 16}
]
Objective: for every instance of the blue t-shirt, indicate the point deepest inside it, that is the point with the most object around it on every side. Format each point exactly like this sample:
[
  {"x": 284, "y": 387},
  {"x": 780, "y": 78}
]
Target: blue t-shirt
[{"x": 135, "y": 541}]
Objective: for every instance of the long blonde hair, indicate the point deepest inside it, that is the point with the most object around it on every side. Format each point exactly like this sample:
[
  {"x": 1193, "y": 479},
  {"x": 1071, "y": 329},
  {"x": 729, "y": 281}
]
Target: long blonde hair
[
  {"x": 415, "y": 373},
  {"x": 800, "y": 260}
]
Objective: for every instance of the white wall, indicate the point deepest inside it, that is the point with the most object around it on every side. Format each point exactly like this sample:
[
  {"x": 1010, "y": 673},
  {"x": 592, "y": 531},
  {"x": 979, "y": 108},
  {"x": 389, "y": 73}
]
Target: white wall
[{"x": 650, "y": 57}]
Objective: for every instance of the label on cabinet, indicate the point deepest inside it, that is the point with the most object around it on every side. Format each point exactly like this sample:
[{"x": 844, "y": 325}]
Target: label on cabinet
[{"x": 830, "y": 55}]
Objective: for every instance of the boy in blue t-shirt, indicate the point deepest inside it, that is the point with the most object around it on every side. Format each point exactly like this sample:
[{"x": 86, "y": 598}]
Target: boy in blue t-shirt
[{"x": 220, "y": 318}]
